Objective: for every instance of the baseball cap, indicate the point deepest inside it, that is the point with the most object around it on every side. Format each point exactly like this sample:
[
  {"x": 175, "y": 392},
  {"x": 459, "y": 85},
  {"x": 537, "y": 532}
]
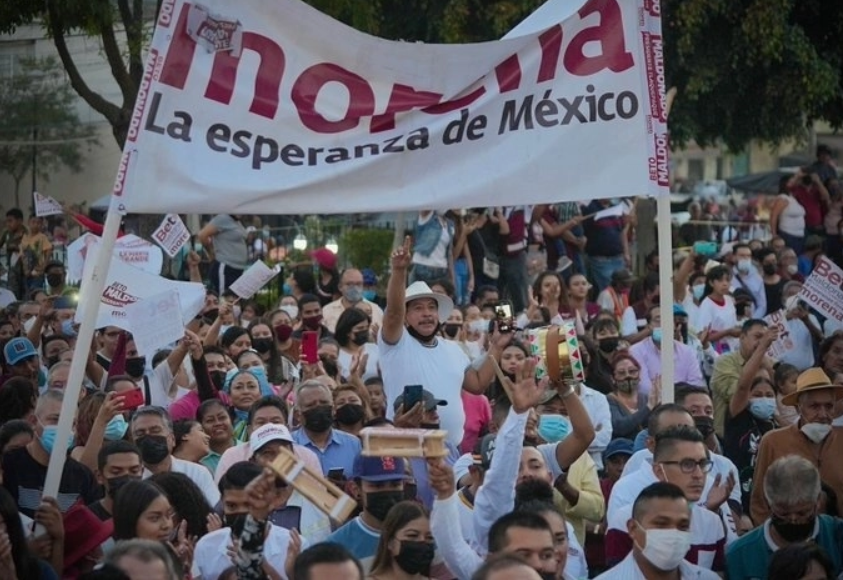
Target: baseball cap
[
  {"x": 18, "y": 349},
  {"x": 622, "y": 275},
  {"x": 430, "y": 402},
  {"x": 325, "y": 258},
  {"x": 619, "y": 446},
  {"x": 266, "y": 433},
  {"x": 369, "y": 277},
  {"x": 372, "y": 468},
  {"x": 678, "y": 310},
  {"x": 483, "y": 451}
]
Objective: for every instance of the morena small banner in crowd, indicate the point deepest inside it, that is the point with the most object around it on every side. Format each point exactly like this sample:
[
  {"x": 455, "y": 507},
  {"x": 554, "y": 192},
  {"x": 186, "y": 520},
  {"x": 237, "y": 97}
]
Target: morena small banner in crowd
[
  {"x": 270, "y": 106},
  {"x": 823, "y": 289}
]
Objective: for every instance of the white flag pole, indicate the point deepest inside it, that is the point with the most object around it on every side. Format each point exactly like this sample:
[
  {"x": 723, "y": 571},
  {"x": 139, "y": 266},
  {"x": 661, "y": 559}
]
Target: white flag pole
[
  {"x": 665, "y": 239},
  {"x": 89, "y": 298}
]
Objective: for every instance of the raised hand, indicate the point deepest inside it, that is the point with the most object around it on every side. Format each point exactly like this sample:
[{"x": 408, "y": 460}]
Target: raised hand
[
  {"x": 441, "y": 478},
  {"x": 410, "y": 419},
  {"x": 214, "y": 522},
  {"x": 194, "y": 344},
  {"x": 402, "y": 256},
  {"x": 261, "y": 492},
  {"x": 720, "y": 491}
]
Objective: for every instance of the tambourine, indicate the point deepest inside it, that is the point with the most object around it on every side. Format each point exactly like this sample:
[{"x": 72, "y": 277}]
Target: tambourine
[
  {"x": 556, "y": 350},
  {"x": 379, "y": 441}
]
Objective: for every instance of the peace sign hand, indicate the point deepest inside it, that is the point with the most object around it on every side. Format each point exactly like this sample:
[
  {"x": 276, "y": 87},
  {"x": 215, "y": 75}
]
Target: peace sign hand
[{"x": 402, "y": 256}]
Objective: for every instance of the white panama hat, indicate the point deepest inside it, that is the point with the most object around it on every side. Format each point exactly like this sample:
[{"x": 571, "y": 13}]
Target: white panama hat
[{"x": 420, "y": 289}]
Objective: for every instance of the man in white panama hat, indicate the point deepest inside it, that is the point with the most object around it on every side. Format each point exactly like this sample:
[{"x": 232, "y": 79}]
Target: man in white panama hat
[{"x": 412, "y": 354}]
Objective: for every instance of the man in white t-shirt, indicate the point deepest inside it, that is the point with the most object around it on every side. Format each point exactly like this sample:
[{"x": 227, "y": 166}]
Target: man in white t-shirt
[
  {"x": 152, "y": 432},
  {"x": 411, "y": 352}
]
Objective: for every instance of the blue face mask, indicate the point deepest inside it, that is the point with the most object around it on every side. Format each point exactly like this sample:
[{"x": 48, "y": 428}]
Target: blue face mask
[
  {"x": 370, "y": 295},
  {"x": 657, "y": 335},
  {"x": 762, "y": 408},
  {"x": 553, "y": 428},
  {"x": 48, "y": 438},
  {"x": 116, "y": 428},
  {"x": 287, "y": 289},
  {"x": 353, "y": 294},
  {"x": 698, "y": 291},
  {"x": 67, "y": 328}
]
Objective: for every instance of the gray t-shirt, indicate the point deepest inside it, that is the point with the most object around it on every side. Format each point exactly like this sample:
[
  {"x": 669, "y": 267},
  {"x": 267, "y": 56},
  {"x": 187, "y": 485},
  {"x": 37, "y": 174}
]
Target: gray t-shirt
[{"x": 230, "y": 242}]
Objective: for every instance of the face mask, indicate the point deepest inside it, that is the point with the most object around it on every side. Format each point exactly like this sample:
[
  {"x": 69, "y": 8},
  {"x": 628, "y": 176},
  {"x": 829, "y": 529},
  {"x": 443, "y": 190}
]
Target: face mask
[
  {"x": 262, "y": 345},
  {"x": 116, "y": 428},
  {"x": 419, "y": 336},
  {"x": 27, "y": 326},
  {"x": 791, "y": 532},
  {"x": 657, "y": 335},
  {"x": 283, "y": 332},
  {"x": 370, "y": 295},
  {"x": 451, "y": 330},
  {"x": 816, "y": 432},
  {"x": 360, "y": 338},
  {"x": 666, "y": 549},
  {"x": 350, "y": 414},
  {"x": 353, "y": 294},
  {"x": 378, "y": 503},
  {"x": 480, "y": 326},
  {"x": 153, "y": 448},
  {"x": 287, "y": 289},
  {"x": 744, "y": 265},
  {"x": 312, "y": 322},
  {"x": 553, "y": 428},
  {"x": 762, "y": 408},
  {"x": 627, "y": 385},
  {"x": 319, "y": 419},
  {"x": 330, "y": 366},
  {"x": 48, "y": 438},
  {"x": 769, "y": 269},
  {"x": 792, "y": 269},
  {"x": 113, "y": 484},
  {"x": 705, "y": 425},
  {"x": 54, "y": 280},
  {"x": 67, "y": 328},
  {"x": 218, "y": 379},
  {"x": 291, "y": 309},
  {"x": 136, "y": 366},
  {"x": 608, "y": 345},
  {"x": 236, "y": 522},
  {"x": 415, "y": 557},
  {"x": 698, "y": 290},
  {"x": 51, "y": 361}
]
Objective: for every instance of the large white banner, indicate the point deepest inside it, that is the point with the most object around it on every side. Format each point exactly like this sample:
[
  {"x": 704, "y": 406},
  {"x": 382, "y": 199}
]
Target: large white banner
[{"x": 269, "y": 106}]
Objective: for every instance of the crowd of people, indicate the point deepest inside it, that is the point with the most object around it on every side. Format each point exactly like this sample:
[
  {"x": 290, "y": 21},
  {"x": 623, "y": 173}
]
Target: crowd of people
[{"x": 169, "y": 471}]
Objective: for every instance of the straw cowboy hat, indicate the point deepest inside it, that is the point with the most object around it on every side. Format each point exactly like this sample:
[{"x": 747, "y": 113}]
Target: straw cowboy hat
[
  {"x": 418, "y": 290},
  {"x": 813, "y": 379}
]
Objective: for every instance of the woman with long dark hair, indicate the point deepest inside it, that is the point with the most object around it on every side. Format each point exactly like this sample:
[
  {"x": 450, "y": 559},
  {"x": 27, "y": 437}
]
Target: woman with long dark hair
[
  {"x": 352, "y": 334},
  {"x": 406, "y": 547},
  {"x": 16, "y": 561}
]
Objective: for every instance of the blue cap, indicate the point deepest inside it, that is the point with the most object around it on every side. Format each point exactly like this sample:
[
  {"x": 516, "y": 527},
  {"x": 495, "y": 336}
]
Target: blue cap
[
  {"x": 387, "y": 468},
  {"x": 369, "y": 277},
  {"x": 679, "y": 311},
  {"x": 18, "y": 349},
  {"x": 618, "y": 447}
]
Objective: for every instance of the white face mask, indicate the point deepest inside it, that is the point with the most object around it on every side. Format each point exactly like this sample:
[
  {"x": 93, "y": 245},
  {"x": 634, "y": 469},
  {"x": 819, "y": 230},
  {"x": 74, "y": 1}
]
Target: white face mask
[
  {"x": 665, "y": 549},
  {"x": 481, "y": 325},
  {"x": 816, "y": 432},
  {"x": 291, "y": 309},
  {"x": 744, "y": 264},
  {"x": 792, "y": 269}
]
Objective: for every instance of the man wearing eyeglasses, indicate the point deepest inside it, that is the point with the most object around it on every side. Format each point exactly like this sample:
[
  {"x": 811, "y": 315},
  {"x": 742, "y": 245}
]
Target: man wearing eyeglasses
[{"x": 681, "y": 458}]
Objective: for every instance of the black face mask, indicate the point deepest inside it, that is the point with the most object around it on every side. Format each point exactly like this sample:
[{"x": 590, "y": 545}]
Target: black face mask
[
  {"x": 419, "y": 336},
  {"x": 262, "y": 345},
  {"x": 547, "y": 575},
  {"x": 318, "y": 419},
  {"x": 791, "y": 532},
  {"x": 608, "y": 345},
  {"x": 136, "y": 366},
  {"x": 705, "y": 425},
  {"x": 113, "y": 484},
  {"x": 236, "y": 522},
  {"x": 350, "y": 414},
  {"x": 769, "y": 269},
  {"x": 330, "y": 366},
  {"x": 51, "y": 361},
  {"x": 378, "y": 503},
  {"x": 451, "y": 330},
  {"x": 415, "y": 557},
  {"x": 218, "y": 379},
  {"x": 153, "y": 448},
  {"x": 55, "y": 280},
  {"x": 360, "y": 338}
]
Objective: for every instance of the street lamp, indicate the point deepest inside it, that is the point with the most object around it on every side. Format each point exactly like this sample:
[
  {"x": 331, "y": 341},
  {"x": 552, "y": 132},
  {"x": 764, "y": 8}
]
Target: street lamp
[
  {"x": 300, "y": 243},
  {"x": 332, "y": 246}
]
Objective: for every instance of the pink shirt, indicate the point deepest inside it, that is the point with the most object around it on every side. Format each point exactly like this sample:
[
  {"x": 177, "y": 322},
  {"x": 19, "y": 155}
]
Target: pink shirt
[
  {"x": 186, "y": 407},
  {"x": 242, "y": 452},
  {"x": 478, "y": 415}
]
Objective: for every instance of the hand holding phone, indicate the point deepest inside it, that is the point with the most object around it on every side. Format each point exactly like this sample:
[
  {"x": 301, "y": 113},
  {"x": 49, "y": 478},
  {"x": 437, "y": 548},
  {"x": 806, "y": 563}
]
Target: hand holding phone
[
  {"x": 503, "y": 316},
  {"x": 412, "y": 395},
  {"x": 132, "y": 399}
]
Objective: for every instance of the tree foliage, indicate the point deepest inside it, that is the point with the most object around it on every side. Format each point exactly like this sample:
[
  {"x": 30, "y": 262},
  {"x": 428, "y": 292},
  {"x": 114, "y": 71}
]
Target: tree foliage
[
  {"x": 39, "y": 122},
  {"x": 744, "y": 69}
]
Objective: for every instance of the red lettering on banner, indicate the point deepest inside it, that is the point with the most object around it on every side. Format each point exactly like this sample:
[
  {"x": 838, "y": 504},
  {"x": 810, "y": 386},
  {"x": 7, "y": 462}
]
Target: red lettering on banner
[
  {"x": 361, "y": 98},
  {"x": 165, "y": 14},
  {"x": 551, "y": 43},
  {"x": 508, "y": 74},
  {"x": 823, "y": 268},
  {"x": 609, "y": 33},
  {"x": 403, "y": 98}
]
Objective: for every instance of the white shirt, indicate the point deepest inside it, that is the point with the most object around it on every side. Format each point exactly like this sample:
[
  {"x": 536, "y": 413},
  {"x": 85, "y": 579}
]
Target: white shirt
[
  {"x": 719, "y": 318},
  {"x": 439, "y": 369},
  {"x": 630, "y": 324},
  {"x": 439, "y": 257},
  {"x": 597, "y": 406},
  {"x": 344, "y": 362},
  {"x": 628, "y": 570},
  {"x": 332, "y": 311},
  {"x": 802, "y": 354},
  {"x": 199, "y": 474},
  {"x": 210, "y": 557}
]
